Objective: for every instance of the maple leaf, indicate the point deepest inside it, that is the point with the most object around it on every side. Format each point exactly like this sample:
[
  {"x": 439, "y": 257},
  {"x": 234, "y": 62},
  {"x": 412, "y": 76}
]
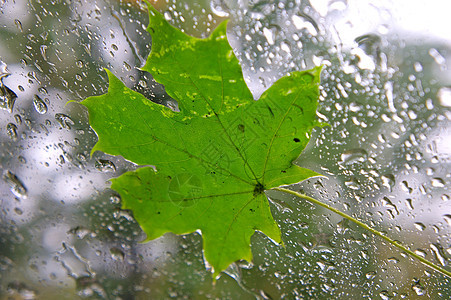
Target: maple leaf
[{"x": 215, "y": 157}]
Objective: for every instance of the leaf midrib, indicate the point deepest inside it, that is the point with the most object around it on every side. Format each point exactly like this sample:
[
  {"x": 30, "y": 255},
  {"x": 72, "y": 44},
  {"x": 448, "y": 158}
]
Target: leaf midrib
[
  {"x": 275, "y": 134},
  {"x": 235, "y": 148}
]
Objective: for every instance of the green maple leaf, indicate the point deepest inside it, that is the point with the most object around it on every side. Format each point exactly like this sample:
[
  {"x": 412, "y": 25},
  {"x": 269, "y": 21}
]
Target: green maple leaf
[{"x": 215, "y": 157}]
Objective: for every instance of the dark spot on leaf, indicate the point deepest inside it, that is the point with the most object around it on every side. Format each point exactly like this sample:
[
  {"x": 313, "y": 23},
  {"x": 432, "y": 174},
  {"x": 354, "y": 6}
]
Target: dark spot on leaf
[
  {"x": 296, "y": 140},
  {"x": 302, "y": 110},
  {"x": 270, "y": 111},
  {"x": 251, "y": 210},
  {"x": 241, "y": 127},
  {"x": 283, "y": 171},
  {"x": 158, "y": 212},
  {"x": 259, "y": 189}
]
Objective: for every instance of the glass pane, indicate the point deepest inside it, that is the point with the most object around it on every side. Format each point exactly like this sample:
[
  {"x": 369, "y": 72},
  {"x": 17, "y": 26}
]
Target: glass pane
[{"x": 385, "y": 92}]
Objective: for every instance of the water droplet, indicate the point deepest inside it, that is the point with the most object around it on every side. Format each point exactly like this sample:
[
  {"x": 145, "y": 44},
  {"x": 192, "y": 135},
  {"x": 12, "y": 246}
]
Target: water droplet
[
  {"x": 393, "y": 260},
  {"x": 281, "y": 206},
  {"x": 303, "y": 225},
  {"x": 117, "y": 254},
  {"x": 75, "y": 265},
  {"x": 420, "y": 252},
  {"x": 439, "y": 253},
  {"x": 79, "y": 231},
  {"x": 420, "y": 226},
  {"x": 18, "y": 24},
  {"x": 437, "y": 182},
  {"x": 88, "y": 287},
  {"x": 271, "y": 33},
  {"x": 405, "y": 187},
  {"x": 22, "y": 159},
  {"x": 418, "y": 289},
  {"x": 338, "y": 5},
  {"x": 11, "y": 131},
  {"x": 15, "y": 185},
  {"x": 43, "y": 52},
  {"x": 120, "y": 213},
  {"x": 387, "y": 203},
  {"x": 447, "y": 219},
  {"x": 385, "y": 295},
  {"x": 19, "y": 290},
  {"x": 370, "y": 275},
  {"x": 304, "y": 21},
  {"x": 219, "y": 8},
  {"x": 342, "y": 226},
  {"x": 64, "y": 120},
  {"x": 409, "y": 203},
  {"x": 352, "y": 184},
  {"x": 167, "y": 15},
  {"x": 444, "y": 96},
  {"x": 429, "y": 104},
  {"x": 370, "y": 43},
  {"x": 39, "y": 105},
  {"x": 142, "y": 83},
  {"x": 7, "y": 98},
  {"x": 115, "y": 199},
  {"x": 365, "y": 61},
  {"x": 353, "y": 156},
  {"x": 105, "y": 165},
  {"x": 439, "y": 59},
  {"x": 418, "y": 66},
  {"x": 354, "y": 107},
  {"x": 388, "y": 180},
  {"x": 127, "y": 66},
  {"x": 285, "y": 46}
]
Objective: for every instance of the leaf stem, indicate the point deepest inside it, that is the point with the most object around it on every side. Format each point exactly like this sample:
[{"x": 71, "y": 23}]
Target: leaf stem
[{"x": 372, "y": 230}]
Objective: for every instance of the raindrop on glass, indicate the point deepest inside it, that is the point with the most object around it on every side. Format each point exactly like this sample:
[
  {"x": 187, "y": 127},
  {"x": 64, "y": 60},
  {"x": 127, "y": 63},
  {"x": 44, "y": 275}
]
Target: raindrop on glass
[
  {"x": 64, "y": 120},
  {"x": 219, "y": 8},
  {"x": 353, "y": 156},
  {"x": 11, "y": 131},
  {"x": 7, "y": 98},
  {"x": 39, "y": 105},
  {"x": 15, "y": 185},
  {"x": 105, "y": 165},
  {"x": 117, "y": 254}
]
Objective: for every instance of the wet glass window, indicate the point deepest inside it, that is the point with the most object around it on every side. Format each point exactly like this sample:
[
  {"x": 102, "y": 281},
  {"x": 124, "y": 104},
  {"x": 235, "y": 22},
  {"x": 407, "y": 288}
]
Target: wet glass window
[{"x": 386, "y": 156}]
